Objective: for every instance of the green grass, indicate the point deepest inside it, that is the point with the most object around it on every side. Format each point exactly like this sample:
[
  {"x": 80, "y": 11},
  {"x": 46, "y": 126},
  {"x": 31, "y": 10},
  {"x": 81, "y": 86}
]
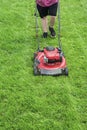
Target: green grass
[{"x": 29, "y": 102}]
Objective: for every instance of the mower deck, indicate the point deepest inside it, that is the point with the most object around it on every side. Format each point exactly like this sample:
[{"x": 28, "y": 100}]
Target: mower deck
[{"x": 50, "y": 61}]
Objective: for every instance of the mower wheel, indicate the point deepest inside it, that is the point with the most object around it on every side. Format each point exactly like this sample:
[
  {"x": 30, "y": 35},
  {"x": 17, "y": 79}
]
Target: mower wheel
[
  {"x": 35, "y": 54},
  {"x": 66, "y": 71},
  {"x": 35, "y": 69}
]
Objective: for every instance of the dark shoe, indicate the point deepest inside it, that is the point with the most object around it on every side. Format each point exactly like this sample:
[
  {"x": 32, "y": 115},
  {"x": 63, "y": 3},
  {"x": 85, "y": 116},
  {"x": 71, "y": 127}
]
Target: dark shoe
[
  {"x": 45, "y": 34},
  {"x": 52, "y": 32}
]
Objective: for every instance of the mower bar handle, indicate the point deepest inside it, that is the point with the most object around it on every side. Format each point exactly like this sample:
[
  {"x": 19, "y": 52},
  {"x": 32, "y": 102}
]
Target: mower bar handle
[{"x": 59, "y": 41}]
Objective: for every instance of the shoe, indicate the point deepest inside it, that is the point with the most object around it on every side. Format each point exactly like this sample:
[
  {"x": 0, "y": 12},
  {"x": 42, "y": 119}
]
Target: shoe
[
  {"x": 45, "y": 34},
  {"x": 52, "y": 32}
]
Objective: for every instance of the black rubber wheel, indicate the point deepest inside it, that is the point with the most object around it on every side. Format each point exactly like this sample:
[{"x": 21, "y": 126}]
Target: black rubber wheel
[
  {"x": 35, "y": 70},
  {"x": 35, "y": 54},
  {"x": 66, "y": 71}
]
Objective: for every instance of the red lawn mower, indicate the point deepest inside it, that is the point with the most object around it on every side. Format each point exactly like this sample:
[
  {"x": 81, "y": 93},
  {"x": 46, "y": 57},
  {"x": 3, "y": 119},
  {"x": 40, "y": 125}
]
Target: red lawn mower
[{"x": 50, "y": 60}]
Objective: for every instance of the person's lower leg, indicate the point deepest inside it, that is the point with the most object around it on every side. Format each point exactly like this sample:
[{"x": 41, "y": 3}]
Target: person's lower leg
[
  {"x": 44, "y": 24},
  {"x": 45, "y": 27},
  {"x": 52, "y": 21},
  {"x": 51, "y": 29}
]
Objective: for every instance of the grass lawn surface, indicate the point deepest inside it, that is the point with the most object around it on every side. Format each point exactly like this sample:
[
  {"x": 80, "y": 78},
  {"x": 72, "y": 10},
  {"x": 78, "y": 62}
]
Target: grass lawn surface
[{"x": 29, "y": 102}]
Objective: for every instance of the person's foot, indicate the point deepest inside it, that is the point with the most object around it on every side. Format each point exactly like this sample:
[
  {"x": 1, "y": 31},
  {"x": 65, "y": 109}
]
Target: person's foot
[
  {"x": 52, "y": 32},
  {"x": 45, "y": 34}
]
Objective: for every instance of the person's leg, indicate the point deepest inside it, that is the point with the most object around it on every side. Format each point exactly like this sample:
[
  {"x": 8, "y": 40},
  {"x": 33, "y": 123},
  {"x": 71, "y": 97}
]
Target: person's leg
[
  {"x": 43, "y": 12},
  {"x": 51, "y": 26},
  {"x": 44, "y": 24},
  {"x": 52, "y": 13},
  {"x": 52, "y": 21}
]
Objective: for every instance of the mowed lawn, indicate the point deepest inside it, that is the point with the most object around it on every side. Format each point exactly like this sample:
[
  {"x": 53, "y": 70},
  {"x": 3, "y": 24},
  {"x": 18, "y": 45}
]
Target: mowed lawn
[{"x": 29, "y": 102}]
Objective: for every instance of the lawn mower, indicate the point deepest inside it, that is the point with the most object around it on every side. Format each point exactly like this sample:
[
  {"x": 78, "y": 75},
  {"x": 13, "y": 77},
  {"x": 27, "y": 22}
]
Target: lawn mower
[{"x": 50, "y": 60}]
